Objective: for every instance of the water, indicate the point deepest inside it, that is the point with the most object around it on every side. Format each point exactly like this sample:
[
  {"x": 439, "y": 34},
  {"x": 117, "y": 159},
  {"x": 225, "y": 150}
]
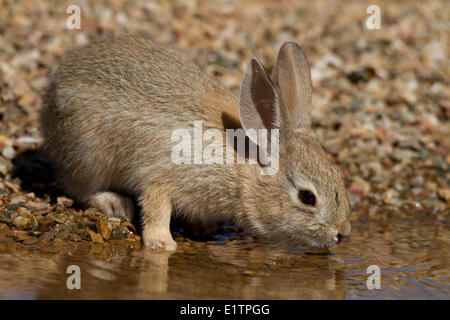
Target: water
[{"x": 412, "y": 253}]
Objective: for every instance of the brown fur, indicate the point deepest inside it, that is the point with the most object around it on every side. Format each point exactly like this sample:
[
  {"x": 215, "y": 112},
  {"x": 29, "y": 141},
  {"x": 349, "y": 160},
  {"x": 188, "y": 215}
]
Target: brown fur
[{"x": 108, "y": 116}]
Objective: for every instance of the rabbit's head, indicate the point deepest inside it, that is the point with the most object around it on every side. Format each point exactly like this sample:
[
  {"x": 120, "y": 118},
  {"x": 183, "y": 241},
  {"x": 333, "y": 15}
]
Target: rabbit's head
[{"x": 304, "y": 203}]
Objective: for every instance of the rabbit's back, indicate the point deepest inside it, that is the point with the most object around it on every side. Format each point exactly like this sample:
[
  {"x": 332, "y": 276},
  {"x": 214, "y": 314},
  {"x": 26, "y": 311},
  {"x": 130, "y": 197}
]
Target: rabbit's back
[
  {"x": 112, "y": 106},
  {"x": 133, "y": 68}
]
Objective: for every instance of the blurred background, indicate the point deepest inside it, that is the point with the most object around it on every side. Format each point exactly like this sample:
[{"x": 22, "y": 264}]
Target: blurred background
[{"x": 381, "y": 97}]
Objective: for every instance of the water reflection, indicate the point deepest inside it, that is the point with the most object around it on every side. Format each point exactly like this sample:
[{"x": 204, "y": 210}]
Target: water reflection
[{"x": 412, "y": 255}]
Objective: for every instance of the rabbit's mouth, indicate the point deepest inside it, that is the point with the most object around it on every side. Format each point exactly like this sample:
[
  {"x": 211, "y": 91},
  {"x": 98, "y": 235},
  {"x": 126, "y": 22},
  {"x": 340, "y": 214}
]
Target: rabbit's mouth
[{"x": 321, "y": 245}]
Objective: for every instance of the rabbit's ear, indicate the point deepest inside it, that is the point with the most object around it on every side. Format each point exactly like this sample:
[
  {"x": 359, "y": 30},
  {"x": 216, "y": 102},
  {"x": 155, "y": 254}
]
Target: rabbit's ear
[
  {"x": 292, "y": 76},
  {"x": 258, "y": 100}
]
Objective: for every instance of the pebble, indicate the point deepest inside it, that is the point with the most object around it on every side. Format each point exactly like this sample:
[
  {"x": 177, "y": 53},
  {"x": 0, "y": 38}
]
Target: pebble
[
  {"x": 444, "y": 194},
  {"x": 119, "y": 233},
  {"x": 18, "y": 200},
  {"x": 3, "y": 167},
  {"x": 362, "y": 184},
  {"x": 5, "y": 216},
  {"x": 4, "y": 228},
  {"x": 8, "y": 152},
  {"x": 105, "y": 228},
  {"x": 64, "y": 202},
  {"x": 21, "y": 221},
  {"x": 47, "y": 237},
  {"x": 96, "y": 237},
  {"x": 25, "y": 219},
  {"x": 69, "y": 236},
  {"x": 418, "y": 181},
  {"x": 391, "y": 196}
]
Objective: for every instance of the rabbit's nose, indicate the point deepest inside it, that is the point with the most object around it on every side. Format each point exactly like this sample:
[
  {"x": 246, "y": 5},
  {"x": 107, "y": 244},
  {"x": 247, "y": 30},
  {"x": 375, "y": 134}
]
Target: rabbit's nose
[
  {"x": 339, "y": 237},
  {"x": 344, "y": 229}
]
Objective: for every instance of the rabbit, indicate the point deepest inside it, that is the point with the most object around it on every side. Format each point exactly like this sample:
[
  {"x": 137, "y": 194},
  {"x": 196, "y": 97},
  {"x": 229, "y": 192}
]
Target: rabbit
[{"x": 108, "y": 116}]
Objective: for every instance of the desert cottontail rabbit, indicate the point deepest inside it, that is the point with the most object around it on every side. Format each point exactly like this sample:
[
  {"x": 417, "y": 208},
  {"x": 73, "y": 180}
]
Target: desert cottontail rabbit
[{"x": 109, "y": 118}]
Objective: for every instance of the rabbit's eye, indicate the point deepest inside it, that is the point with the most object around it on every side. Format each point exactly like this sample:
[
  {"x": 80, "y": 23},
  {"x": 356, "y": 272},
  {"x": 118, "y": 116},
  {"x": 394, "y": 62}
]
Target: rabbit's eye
[{"x": 307, "y": 197}]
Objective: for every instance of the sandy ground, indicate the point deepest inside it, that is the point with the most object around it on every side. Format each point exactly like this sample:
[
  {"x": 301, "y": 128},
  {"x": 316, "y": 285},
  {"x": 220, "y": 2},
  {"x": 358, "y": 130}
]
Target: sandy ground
[{"x": 381, "y": 97}]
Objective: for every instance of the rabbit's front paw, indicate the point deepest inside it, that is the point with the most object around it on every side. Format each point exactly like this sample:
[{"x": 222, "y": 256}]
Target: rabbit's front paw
[{"x": 166, "y": 243}]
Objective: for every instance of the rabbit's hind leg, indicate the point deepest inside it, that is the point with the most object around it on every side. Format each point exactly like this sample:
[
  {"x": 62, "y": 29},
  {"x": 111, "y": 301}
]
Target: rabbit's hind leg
[{"x": 111, "y": 204}]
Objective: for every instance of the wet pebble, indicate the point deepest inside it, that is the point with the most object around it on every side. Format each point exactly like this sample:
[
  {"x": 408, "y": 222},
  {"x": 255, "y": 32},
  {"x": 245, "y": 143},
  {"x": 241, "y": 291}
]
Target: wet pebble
[
  {"x": 104, "y": 227},
  {"x": 25, "y": 219},
  {"x": 96, "y": 237},
  {"x": 69, "y": 236},
  {"x": 119, "y": 233}
]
